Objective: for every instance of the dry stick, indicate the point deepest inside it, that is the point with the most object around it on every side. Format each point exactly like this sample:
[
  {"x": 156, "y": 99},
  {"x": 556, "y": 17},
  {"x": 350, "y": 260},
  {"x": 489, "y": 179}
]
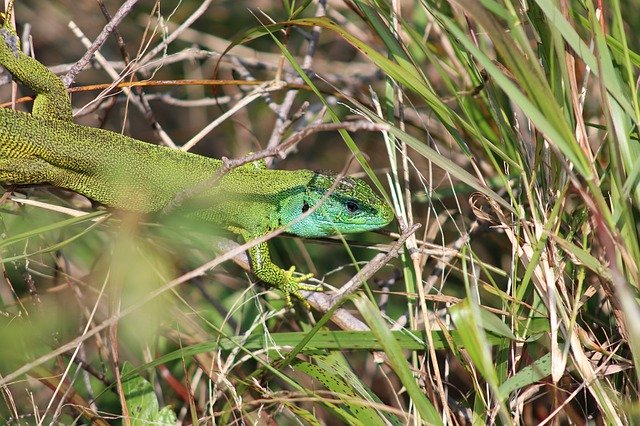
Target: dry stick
[
  {"x": 188, "y": 54},
  {"x": 141, "y": 102},
  {"x": 385, "y": 291},
  {"x": 169, "y": 99},
  {"x": 376, "y": 263},
  {"x": 99, "y": 41},
  {"x": 171, "y": 37},
  {"x": 279, "y": 151},
  {"x": 255, "y": 94},
  {"x": 339, "y": 73},
  {"x": 282, "y": 119},
  {"x": 243, "y": 72},
  {"x": 446, "y": 258},
  {"x": 116, "y": 33},
  {"x": 117, "y": 18},
  {"x": 122, "y": 12}
]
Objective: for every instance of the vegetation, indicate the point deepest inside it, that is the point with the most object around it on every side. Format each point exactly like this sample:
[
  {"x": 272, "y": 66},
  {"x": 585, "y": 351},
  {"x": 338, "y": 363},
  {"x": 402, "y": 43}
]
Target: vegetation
[{"x": 507, "y": 130}]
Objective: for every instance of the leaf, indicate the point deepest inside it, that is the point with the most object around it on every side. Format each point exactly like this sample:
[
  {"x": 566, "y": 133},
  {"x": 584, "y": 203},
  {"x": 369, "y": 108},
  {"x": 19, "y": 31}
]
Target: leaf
[
  {"x": 142, "y": 402},
  {"x": 539, "y": 369},
  {"x": 380, "y": 328},
  {"x": 348, "y": 410},
  {"x": 469, "y": 325}
]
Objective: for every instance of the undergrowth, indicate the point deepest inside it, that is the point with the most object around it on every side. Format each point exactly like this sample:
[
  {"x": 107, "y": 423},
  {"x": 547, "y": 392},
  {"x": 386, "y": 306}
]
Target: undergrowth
[{"x": 506, "y": 130}]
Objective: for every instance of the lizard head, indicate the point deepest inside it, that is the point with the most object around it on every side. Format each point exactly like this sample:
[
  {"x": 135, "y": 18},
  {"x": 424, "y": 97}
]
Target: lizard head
[{"x": 351, "y": 207}]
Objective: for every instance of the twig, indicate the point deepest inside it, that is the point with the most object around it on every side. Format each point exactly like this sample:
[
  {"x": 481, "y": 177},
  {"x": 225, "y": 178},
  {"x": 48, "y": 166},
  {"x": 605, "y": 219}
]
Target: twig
[
  {"x": 279, "y": 151},
  {"x": 282, "y": 120},
  {"x": 186, "y": 24},
  {"x": 142, "y": 102},
  {"x": 372, "y": 267},
  {"x": 255, "y": 94},
  {"x": 124, "y": 10},
  {"x": 244, "y": 73}
]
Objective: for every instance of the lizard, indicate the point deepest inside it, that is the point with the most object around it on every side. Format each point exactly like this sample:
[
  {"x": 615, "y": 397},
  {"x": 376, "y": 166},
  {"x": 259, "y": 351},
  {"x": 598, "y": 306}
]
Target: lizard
[{"x": 123, "y": 173}]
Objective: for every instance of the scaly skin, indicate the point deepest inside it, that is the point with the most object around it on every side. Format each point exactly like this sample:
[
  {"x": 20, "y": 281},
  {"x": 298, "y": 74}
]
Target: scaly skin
[{"x": 124, "y": 173}]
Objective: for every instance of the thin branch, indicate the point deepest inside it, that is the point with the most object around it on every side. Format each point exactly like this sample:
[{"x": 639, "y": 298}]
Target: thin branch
[
  {"x": 174, "y": 35},
  {"x": 277, "y": 151},
  {"x": 373, "y": 266},
  {"x": 124, "y": 10},
  {"x": 282, "y": 120}
]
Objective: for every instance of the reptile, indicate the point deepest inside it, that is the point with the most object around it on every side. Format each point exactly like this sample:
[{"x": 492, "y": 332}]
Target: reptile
[{"x": 46, "y": 147}]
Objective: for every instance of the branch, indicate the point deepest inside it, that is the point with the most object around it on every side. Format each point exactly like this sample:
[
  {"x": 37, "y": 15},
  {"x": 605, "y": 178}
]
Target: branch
[{"x": 124, "y": 10}]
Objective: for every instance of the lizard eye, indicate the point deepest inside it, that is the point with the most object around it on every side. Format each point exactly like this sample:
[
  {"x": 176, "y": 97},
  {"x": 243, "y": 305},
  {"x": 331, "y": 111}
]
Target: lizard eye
[
  {"x": 305, "y": 207},
  {"x": 352, "y": 206}
]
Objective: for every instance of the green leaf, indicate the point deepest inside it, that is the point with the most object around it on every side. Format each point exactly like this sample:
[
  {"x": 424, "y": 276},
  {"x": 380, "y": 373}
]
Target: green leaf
[
  {"x": 397, "y": 359},
  {"x": 336, "y": 364},
  {"x": 470, "y": 327},
  {"x": 325, "y": 340},
  {"x": 142, "y": 402},
  {"x": 348, "y": 410},
  {"x": 538, "y": 370}
]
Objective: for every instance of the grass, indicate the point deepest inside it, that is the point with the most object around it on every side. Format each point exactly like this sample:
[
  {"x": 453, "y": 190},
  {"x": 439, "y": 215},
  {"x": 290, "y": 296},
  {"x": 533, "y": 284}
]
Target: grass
[{"x": 508, "y": 131}]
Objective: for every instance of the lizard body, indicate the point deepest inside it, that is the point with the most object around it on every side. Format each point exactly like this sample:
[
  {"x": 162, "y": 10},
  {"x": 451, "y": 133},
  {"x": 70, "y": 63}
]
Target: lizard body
[{"x": 124, "y": 173}]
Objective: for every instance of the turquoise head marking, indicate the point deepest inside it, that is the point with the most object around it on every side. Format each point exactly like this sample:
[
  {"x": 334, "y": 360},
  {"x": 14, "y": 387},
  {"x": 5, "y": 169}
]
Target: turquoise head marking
[{"x": 351, "y": 207}]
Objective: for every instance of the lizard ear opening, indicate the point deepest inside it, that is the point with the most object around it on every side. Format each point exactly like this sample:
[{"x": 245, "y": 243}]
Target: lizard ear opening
[{"x": 305, "y": 207}]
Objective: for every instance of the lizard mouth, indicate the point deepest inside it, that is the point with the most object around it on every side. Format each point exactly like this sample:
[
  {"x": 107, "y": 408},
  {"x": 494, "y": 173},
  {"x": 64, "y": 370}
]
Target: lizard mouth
[{"x": 357, "y": 226}]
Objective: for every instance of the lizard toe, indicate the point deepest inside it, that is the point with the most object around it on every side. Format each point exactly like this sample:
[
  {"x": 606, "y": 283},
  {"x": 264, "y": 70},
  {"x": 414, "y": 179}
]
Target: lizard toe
[{"x": 293, "y": 286}]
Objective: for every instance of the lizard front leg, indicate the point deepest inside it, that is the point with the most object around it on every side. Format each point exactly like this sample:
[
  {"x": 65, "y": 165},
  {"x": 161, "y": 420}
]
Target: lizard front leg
[{"x": 272, "y": 274}]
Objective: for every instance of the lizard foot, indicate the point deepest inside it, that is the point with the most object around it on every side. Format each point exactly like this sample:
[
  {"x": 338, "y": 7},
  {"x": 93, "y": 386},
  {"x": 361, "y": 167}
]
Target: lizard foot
[{"x": 292, "y": 286}]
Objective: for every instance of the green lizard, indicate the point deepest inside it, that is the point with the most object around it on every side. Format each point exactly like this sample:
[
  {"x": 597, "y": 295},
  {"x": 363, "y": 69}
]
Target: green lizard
[{"x": 124, "y": 173}]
